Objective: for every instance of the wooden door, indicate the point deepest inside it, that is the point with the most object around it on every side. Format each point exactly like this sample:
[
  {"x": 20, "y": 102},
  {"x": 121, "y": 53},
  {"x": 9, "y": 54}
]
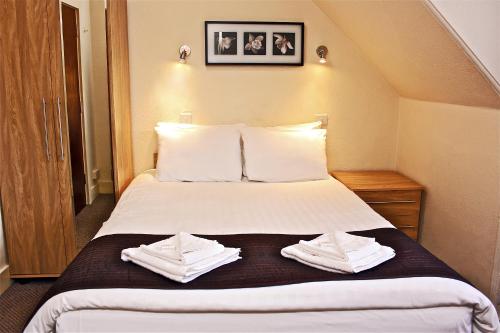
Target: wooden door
[
  {"x": 29, "y": 175},
  {"x": 119, "y": 94},
  {"x": 71, "y": 46}
]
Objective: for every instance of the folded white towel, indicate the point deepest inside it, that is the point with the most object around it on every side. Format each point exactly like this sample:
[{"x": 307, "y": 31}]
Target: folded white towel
[
  {"x": 339, "y": 252},
  {"x": 340, "y": 246},
  {"x": 180, "y": 273},
  {"x": 166, "y": 257},
  {"x": 338, "y": 266},
  {"x": 184, "y": 249}
]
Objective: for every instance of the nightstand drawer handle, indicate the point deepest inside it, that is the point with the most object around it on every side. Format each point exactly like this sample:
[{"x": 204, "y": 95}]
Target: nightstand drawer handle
[
  {"x": 388, "y": 202},
  {"x": 407, "y": 226}
]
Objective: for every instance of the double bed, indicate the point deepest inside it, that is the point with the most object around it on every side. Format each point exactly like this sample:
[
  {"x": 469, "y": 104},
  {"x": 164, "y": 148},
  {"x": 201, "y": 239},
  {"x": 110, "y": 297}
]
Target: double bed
[{"x": 150, "y": 207}]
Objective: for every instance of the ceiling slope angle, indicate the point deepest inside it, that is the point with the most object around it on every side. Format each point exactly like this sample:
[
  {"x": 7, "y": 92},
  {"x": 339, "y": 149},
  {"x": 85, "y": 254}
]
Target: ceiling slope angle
[{"x": 415, "y": 52}]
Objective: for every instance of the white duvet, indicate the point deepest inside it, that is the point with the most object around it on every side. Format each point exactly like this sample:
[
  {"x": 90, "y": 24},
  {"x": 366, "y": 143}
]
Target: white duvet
[{"x": 152, "y": 207}]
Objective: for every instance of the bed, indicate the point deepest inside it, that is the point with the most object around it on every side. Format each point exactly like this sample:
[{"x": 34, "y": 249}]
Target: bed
[{"x": 150, "y": 207}]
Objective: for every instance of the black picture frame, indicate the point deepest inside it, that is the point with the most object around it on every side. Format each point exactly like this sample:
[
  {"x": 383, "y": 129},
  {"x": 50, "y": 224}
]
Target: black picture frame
[{"x": 216, "y": 51}]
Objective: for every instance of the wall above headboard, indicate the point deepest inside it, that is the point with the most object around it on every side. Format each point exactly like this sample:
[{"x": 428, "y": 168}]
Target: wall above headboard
[{"x": 361, "y": 105}]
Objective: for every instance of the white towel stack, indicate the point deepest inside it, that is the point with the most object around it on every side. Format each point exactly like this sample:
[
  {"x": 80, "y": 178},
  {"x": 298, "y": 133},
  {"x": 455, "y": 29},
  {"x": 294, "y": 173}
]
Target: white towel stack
[
  {"x": 182, "y": 257},
  {"x": 339, "y": 252}
]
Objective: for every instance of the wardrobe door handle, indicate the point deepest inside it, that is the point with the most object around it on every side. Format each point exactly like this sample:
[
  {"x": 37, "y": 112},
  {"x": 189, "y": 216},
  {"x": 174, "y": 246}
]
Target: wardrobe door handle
[
  {"x": 45, "y": 127},
  {"x": 60, "y": 128}
]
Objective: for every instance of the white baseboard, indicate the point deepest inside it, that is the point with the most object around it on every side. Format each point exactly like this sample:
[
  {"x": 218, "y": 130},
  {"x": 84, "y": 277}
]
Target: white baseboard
[
  {"x": 105, "y": 186},
  {"x": 5, "y": 280}
]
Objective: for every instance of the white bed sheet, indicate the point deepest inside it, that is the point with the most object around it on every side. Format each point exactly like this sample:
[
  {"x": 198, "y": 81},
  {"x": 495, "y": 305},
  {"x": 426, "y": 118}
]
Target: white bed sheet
[{"x": 152, "y": 207}]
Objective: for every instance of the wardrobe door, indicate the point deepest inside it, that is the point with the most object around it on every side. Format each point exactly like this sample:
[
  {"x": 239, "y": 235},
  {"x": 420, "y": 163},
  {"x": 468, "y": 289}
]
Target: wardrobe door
[
  {"x": 29, "y": 176},
  {"x": 61, "y": 127}
]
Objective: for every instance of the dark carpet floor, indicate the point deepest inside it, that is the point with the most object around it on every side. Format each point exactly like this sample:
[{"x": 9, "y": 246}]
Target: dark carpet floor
[
  {"x": 18, "y": 302},
  {"x": 90, "y": 219}
]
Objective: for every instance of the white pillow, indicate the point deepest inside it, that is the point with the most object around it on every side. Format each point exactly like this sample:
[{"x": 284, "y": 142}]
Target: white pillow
[
  {"x": 284, "y": 156},
  {"x": 199, "y": 153},
  {"x": 295, "y": 127}
]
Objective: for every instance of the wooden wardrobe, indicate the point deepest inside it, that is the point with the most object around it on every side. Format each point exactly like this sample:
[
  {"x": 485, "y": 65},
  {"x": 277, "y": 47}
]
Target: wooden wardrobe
[
  {"x": 35, "y": 177},
  {"x": 35, "y": 172}
]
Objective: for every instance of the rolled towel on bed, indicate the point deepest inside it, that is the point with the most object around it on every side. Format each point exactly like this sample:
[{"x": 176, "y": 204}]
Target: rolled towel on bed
[
  {"x": 339, "y": 253},
  {"x": 163, "y": 264}
]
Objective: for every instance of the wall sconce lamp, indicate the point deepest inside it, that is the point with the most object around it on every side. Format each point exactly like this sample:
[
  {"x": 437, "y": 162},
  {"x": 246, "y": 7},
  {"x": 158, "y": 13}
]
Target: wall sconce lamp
[
  {"x": 184, "y": 52},
  {"x": 322, "y": 51}
]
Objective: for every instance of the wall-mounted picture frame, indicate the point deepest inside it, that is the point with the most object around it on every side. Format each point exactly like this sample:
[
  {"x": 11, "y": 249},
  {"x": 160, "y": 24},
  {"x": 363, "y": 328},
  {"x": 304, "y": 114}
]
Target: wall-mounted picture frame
[{"x": 254, "y": 43}]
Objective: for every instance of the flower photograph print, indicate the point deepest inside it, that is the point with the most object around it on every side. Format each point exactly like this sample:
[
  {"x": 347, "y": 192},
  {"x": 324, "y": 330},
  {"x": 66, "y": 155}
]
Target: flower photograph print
[
  {"x": 255, "y": 43},
  {"x": 225, "y": 42},
  {"x": 284, "y": 43}
]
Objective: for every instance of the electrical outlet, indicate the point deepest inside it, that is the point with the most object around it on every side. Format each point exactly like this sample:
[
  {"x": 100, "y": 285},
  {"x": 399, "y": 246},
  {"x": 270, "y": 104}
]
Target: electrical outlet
[
  {"x": 186, "y": 118},
  {"x": 95, "y": 174},
  {"x": 323, "y": 117}
]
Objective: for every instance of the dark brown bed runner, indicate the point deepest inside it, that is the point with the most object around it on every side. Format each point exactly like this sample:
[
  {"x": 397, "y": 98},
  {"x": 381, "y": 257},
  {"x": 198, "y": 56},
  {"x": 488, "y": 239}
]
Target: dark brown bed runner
[{"x": 99, "y": 264}]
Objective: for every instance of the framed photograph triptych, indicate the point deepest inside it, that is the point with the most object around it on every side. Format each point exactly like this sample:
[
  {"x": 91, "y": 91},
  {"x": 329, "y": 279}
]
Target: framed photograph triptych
[{"x": 254, "y": 43}]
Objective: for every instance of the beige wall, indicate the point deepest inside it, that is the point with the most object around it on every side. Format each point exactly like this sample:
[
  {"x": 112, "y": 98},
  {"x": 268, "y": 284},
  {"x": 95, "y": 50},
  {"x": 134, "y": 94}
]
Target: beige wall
[
  {"x": 362, "y": 106},
  {"x": 454, "y": 151}
]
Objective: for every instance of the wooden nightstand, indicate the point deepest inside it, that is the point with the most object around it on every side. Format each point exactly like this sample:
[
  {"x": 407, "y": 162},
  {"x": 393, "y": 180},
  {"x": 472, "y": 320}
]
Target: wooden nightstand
[{"x": 389, "y": 193}]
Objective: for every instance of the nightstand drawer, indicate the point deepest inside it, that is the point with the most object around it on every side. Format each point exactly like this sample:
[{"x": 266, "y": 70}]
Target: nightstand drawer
[
  {"x": 380, "y": 197},
  {"x": 403, "y": 221},
  {"x": 396, "y": 208}
]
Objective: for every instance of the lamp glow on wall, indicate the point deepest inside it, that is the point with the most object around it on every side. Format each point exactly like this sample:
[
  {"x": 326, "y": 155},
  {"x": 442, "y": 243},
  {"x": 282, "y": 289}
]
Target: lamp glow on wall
[
  {"x": 184, "y": 52},
  {"x": 322, "y": 51}
]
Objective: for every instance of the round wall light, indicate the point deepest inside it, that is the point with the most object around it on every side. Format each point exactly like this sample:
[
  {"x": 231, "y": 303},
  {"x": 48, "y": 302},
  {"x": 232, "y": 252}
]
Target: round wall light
[
  {"x": 184, "y": 52},
  {"x": 322, "y": 51}
]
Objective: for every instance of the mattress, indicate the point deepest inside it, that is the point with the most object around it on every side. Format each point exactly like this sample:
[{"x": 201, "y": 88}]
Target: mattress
[{"x": 152, "y": 207}]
